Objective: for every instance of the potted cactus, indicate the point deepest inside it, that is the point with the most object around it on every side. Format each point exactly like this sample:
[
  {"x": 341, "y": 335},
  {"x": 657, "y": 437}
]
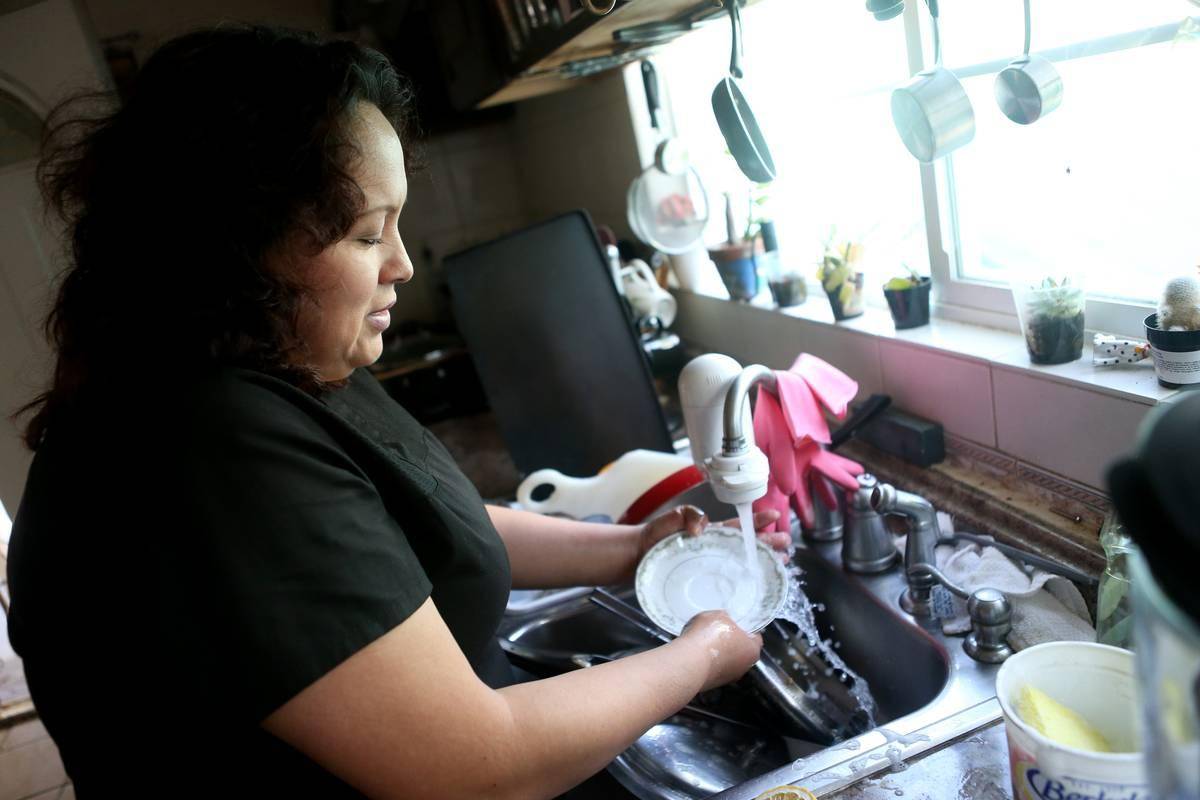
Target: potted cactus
[
  {"x": 1174, "y": 334},
  {"x": 908, "y": 299},
  {"x": 842, "y": 279},
  {"x": 1051, "y": 314}
]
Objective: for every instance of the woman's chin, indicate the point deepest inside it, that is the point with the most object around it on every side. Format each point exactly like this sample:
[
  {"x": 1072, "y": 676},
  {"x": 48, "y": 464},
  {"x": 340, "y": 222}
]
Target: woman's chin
[{"x": 370, "y": 350}]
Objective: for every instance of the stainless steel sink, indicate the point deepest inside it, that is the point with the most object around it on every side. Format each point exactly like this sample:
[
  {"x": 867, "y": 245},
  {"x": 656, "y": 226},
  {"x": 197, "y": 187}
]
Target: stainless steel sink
[{"x": 927, "y": 690}]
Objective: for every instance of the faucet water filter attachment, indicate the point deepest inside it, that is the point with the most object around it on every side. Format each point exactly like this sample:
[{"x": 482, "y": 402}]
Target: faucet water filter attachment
[{"x": 704, "y": 385}]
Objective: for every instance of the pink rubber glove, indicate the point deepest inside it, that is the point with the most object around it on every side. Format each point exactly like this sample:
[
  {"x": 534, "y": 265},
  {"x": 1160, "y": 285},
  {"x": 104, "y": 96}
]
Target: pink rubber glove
[
  {"x": 816, "y": 465},
  {"x": 842, "y": 471},
  {"x": 771, "y": 435},
  {"x": 775, "y": 499},
  {"x": 805, "y": 421},
  {"x": 791, "y": 430},
  {"x": 834, "y": 388}
]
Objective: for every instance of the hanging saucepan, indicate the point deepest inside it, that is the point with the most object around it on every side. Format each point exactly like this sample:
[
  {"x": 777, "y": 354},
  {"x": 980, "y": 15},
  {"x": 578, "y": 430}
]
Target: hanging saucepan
[
  {"x": 734, "y": 116},
  {"x": 1030, "y": 87},
  {"x": 885, "y": 9},
  {"x": 932, "y": 113}
]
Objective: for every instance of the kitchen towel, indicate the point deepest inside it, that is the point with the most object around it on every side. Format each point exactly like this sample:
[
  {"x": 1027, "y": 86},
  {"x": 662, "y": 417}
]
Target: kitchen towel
[{"x": 1046, "y": 607}]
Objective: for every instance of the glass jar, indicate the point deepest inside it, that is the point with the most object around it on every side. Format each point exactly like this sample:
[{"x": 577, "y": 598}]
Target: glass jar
[
  {"x": 1051, "y": 313},
  {"x": 1114, "y": 604}
]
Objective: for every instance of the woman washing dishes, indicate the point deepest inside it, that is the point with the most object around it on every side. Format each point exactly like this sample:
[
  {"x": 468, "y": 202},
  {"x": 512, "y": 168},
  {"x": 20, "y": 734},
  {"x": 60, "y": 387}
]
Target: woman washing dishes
[{"x": 239, "y": 568}]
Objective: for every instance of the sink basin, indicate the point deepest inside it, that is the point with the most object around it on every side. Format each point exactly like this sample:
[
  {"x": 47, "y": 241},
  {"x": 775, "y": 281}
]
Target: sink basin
[{"x": 925, "y": 688}]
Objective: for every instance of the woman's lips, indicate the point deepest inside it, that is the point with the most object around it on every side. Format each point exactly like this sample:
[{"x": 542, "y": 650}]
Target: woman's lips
[{"x": 381, "y": 319}]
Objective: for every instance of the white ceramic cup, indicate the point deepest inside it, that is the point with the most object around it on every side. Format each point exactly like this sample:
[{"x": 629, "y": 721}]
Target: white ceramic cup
[{"x": 645, "y": 295}]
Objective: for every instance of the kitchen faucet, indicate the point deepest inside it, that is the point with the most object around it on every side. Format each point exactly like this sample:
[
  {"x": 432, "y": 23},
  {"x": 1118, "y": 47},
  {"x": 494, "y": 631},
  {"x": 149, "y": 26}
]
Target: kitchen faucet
[
  {"x": 714, "y": 391},
  {"x": 989, "y": 610},
  {"x": 918, "y": 548}
]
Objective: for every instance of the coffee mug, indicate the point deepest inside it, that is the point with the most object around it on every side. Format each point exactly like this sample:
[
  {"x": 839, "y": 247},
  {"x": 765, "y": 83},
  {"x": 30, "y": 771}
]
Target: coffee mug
[{"x": 644, "y": 293}]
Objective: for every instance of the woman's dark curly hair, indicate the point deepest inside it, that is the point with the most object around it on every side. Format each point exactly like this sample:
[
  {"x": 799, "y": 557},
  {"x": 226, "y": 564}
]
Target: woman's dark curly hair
[{"x": 234, "y": 146}]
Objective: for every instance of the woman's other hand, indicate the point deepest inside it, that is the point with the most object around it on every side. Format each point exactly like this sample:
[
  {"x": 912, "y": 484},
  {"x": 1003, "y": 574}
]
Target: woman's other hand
[
  {"x": 691, "y": 521},
  {"x": 729, "y": 649}
]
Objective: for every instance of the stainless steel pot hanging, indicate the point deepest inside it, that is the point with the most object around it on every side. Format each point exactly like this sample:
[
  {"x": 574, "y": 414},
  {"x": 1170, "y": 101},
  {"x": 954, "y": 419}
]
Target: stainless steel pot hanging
[
  {"x": 1030, "y": 87},
  {"x": 932, "y": 113}
]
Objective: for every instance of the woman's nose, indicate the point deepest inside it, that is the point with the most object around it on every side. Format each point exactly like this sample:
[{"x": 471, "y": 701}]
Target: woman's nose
[{"x": 399, "y": 268}]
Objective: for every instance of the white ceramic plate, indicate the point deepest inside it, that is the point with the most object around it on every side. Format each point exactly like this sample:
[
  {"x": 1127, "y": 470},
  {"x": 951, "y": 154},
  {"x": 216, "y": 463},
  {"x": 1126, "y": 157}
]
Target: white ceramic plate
[{"x": 682, "y": 576}]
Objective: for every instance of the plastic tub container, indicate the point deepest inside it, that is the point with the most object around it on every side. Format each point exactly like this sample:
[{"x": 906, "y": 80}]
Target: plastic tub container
[{"x": 1096, "y": 681}]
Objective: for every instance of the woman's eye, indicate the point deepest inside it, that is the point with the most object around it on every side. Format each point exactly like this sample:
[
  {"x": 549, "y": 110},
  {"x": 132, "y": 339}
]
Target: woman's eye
[{"x": 371, "y": 242}]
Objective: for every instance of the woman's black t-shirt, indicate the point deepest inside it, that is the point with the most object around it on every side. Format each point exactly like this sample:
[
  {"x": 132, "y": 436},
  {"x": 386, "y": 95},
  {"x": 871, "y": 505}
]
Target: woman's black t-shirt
[{"x": 190, "y": 554}]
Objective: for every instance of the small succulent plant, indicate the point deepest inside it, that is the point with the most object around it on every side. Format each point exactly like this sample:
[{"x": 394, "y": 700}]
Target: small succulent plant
[
  {"x": 837, "y": 271},
  {"x": 843, "y": 282},
  {"x": 913, "y": 278},
  {"x": 1179, "y": 309},
  {"x": 1056, "y": 299},
  {"x": 1053, "y": 318}
]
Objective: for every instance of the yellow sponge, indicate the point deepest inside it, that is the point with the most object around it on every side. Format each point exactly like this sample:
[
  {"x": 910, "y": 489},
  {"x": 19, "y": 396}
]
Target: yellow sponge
[{"x": 1057, "y": 722}]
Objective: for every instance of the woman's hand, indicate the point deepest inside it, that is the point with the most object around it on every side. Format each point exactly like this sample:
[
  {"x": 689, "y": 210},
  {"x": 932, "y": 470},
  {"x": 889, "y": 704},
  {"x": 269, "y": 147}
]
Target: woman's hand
[
  {"x": 729, "y": 649},
  {"x": 692, "y": 521},
  {"x": 688, "y": 519}
]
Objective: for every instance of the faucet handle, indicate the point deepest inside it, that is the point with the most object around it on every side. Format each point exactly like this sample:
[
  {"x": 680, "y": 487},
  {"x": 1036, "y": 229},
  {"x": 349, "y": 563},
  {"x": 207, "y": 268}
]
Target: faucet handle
[
  {"x": 991, "y": 621},
  {"x": 990, "y": 612},
  {"x": 861, "y": 498}
]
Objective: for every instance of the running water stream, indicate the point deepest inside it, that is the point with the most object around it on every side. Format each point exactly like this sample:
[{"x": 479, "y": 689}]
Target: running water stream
[
  {"x": 799, "y": 611},
  {"x": 749, "y": 548}
]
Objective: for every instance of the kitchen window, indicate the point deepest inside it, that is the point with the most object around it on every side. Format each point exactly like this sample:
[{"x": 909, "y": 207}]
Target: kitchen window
[{"x": 1108, "y": 179}]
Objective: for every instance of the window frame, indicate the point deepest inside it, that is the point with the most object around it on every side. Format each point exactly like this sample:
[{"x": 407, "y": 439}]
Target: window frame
[{"x": 989, "y": 302}]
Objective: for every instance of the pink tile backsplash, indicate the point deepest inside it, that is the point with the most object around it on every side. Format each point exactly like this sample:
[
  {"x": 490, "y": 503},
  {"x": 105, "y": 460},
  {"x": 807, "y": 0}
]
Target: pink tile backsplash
[
  {"x": 957, "y": 392},
  {"x": 1065, "y": 429}
]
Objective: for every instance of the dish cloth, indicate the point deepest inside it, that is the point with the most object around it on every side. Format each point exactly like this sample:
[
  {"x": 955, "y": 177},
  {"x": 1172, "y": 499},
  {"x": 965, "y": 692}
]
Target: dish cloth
[{"x": 1045, "y": 607}]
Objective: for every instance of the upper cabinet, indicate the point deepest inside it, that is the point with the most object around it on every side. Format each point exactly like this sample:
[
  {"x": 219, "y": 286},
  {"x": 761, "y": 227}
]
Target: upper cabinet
[{"x": 493, "y": 52}]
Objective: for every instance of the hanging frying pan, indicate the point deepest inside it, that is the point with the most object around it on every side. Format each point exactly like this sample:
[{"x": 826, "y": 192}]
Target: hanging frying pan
[{"x": 736, "y": 120}]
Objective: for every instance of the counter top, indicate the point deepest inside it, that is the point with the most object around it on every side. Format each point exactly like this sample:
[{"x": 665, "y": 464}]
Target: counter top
[{"x": 974, "y": 767}]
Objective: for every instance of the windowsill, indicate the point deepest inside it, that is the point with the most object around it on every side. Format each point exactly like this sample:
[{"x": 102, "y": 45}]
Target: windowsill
[{"x": 1002, "y": 349}]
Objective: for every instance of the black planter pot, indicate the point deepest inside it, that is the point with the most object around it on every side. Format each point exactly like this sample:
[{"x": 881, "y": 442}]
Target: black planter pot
[
  {"x": 1176, "y": 355},
  {"x": 788, "y": 290},
  {"x": 910, "y": 307}
]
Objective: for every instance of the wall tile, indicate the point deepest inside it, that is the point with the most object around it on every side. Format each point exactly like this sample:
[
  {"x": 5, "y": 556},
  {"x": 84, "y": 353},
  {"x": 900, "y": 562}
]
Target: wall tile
[
  {"x": 1065, "y": 429},
  {"x": 766, "y": 337},
  {"x": 957, "y": 392}
]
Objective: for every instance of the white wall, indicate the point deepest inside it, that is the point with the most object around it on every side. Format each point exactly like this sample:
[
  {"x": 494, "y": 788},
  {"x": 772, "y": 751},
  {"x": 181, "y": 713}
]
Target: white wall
[
  {"x": 469, "y": 192},
  {"x": 577, "y": 149},
  {"x": 573, "y": 149}
]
